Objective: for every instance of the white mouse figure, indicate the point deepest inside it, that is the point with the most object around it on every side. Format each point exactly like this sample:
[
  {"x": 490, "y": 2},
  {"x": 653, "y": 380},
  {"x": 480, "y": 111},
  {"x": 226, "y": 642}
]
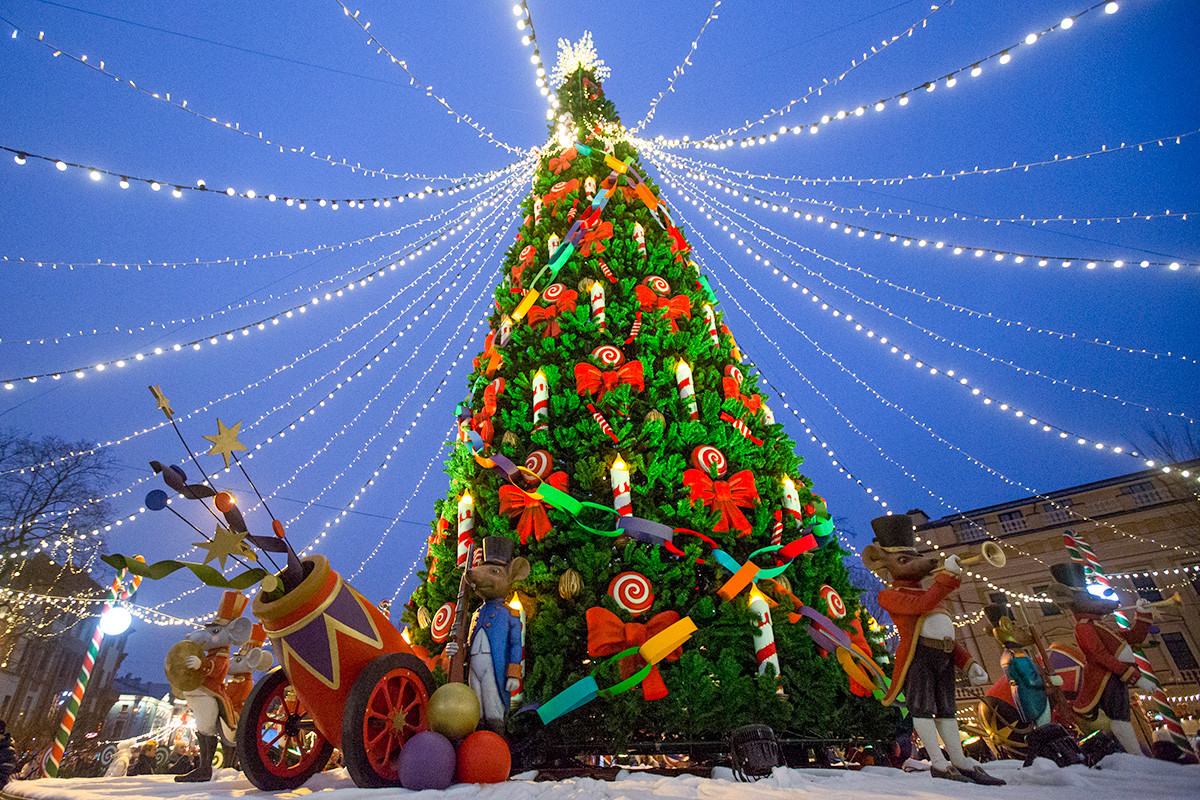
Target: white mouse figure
[
  {"x": 242, "y": 664},
  {"x": 209, "y": 702}
]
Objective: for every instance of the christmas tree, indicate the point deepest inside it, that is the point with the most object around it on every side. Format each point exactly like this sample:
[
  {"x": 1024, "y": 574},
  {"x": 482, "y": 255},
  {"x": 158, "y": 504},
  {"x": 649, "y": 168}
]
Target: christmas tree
[{"x": 609, "y": 375}]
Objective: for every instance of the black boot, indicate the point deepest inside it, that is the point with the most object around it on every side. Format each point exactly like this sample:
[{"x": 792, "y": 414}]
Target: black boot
[{"x": 203, "y": 770}]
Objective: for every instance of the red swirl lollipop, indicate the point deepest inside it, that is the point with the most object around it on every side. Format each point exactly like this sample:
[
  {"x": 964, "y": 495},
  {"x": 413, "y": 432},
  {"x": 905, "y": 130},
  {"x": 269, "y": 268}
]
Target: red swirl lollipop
[
  {"x": 443, "y": 622},
  {"x": 540, "y": 463},
  {"x": 658, "y": 285},
  {"x": 608, "y": 356},
  {"x": 554, "y": 291},
  {"x": 705, "y": 457},
  {"x": 833, "y": 600},
  {"x": 632, "y": 592}
]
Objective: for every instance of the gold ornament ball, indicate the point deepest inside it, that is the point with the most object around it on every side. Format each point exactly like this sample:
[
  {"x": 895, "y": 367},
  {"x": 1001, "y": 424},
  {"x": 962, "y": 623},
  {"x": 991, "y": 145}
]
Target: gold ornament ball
[
  {"x": 453, "y": 710},
  {"x": 423, "y": 617},
  {"x": 509, "y": 439},
  {"x": 655, "y": 416},
  {"x": 570, "y": 584}
]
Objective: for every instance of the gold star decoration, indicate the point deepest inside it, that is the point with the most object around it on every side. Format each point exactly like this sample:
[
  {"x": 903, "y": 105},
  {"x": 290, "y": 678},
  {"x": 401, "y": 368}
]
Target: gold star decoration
[
  {"x": 164, "y": 404},
  {"x": 226, "y": 441},
  {"x": 226, "y": 543}
]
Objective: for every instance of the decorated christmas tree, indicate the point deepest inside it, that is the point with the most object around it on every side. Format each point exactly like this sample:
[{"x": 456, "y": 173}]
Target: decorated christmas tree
[{"x": 613, "y": 433}]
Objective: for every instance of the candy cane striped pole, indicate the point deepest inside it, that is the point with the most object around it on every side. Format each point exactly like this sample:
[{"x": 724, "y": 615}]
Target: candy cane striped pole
[
  {"x": 1081, "y": 552},
  {"x": 85, "y": 672},
  {"x": 710, "y": 319}
]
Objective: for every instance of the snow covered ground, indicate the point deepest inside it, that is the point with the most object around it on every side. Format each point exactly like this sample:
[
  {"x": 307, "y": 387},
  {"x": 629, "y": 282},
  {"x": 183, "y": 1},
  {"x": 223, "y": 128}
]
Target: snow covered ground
[{"x": 1119, "y": 777}]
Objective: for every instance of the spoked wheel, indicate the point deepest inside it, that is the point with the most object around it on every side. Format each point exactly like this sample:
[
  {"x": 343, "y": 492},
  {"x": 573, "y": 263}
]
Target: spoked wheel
[
  {"x": 388, "y": 705},
  {"x": 278, "y": 746}
]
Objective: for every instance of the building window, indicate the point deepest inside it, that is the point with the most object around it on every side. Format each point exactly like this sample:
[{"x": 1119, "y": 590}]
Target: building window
[
  {"x": 1048, "y": 609},
  {"x": 970, "y": 530},
  {"x": 1059, "y": 511},
  {"x": 1011, "y": 522},
  {"x": 1146, "y": 588},
  {"x": 1181, "y": 654},
  {"x": 1143, "y": 493}
]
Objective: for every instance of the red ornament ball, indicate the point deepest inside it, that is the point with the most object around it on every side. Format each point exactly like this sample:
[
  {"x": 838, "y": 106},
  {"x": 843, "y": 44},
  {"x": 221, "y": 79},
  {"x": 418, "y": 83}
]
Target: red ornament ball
[
  {"x": 223, "y": 501},
  {"x": 484, "y": 757}
]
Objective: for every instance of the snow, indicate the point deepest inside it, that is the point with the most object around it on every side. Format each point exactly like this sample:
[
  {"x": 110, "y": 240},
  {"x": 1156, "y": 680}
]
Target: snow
[{"x": 1118, "y": 777}]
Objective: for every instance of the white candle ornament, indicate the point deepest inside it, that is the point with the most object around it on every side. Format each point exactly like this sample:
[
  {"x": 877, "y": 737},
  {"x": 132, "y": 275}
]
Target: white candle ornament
[
  {"x": 618, "y": 475},
  {"x": 687, "y": 391},
  {"x": 541, "y": 401},
  {"x": 764, "y": 636},
  {"x": 466, "y": 525}
]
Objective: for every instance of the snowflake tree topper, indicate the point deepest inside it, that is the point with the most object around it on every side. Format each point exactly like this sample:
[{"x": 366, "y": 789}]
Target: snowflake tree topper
[{"x": 573, "y": 56}]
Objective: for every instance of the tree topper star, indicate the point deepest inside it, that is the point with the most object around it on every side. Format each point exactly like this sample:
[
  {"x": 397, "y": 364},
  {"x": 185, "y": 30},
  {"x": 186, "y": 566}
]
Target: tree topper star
[
  {"x": 226, "y": 543},
  {"x": 226, "y": 441}
]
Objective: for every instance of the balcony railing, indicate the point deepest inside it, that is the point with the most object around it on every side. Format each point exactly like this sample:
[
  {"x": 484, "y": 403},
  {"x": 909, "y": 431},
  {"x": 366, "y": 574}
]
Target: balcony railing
[{"x": 978, "y": 530}]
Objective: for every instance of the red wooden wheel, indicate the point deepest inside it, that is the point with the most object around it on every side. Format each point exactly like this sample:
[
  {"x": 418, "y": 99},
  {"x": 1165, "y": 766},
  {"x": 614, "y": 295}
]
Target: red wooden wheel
[
  {"x": 388, "y": 705},
  {"x": 278, "y": 745}
]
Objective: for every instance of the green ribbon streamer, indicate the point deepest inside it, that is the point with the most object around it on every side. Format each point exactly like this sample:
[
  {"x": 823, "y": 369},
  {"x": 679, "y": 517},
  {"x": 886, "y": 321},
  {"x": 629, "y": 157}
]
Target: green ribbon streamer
[{"x": 207, "y": 575}]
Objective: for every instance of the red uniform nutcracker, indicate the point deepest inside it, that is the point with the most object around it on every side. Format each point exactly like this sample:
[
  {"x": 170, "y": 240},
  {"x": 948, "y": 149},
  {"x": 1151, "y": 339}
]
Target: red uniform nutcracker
[{"x": 928, "y": 652}]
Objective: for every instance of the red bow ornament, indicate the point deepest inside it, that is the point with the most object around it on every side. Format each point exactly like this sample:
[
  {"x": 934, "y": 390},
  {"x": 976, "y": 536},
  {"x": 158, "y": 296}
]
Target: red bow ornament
[
  {"x": 671, "y": 307},
  {"x": 562, "y": 163},
  {"x": 593, "y": 240},
  {"x": 679, "y": 245},
  {"x": 548, "y": 315},
  {"x": 560, "y": 190},
  {"x": 531, "y": 510},
  {"x": 590, "y": 380},
  {"x": 724, "y": 497},
  {"x": 733, "y": 391},
  {"x": 490, "y": 359},
  {"x": 607, "y": 636}
]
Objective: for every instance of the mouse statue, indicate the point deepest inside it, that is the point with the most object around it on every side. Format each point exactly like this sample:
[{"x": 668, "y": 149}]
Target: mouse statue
[
  {"x": 494, "y": 642},
  {"x": 208, "y": 702},
  {"x": 242, "y": 666},
  {"x": 1026, "y": 681},
  {"x": 927, "y": 653},
  {"x": 1108, "y": 669}
]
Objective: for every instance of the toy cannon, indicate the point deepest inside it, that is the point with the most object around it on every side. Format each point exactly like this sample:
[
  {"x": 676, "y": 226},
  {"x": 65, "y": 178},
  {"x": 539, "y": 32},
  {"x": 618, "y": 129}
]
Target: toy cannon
[{"x": 346, "y": 679}]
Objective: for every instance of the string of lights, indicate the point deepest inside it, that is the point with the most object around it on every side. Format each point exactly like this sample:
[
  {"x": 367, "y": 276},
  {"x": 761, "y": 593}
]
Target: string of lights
[
  {"x": 1018, "y": 257},
  {"x": 1061, "y": 335},
  {"x": 808, "y": 429},
  {"x": 948, "y": 80},
  {"x": 907, "y": 33},
  {"x": 98, "y": 66},
  {"x": 399, "y": 371},
  {"x": 395, "y": 321},
  {"x": 413, "y": 80},
  {"x": 950, "y": 374},
  {"x": 312, "y": 410},
  {"x": 681, "y": 162},
  {"x": 21, "y": 157},
  {"x": 215, "y": 338},
  {"x": 679, "y": 70},
  {"x": 1073, "y": 513},
  {"x": 525, "y": 20},
  {"x": 240, "y": 260},
  {"x": 258, "y": 447}
]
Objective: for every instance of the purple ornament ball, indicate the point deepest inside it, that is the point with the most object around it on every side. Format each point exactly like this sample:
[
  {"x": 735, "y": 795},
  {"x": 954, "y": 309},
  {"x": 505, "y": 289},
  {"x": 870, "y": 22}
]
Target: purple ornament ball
[{"x": 427, "y": 762}]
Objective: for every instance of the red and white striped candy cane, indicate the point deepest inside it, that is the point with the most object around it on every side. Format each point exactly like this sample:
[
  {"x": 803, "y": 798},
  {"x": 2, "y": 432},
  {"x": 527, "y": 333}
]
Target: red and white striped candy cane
[
  {"x": 635, "y": 328},
  {"x": 687, "y": 390},
  {"x": 741, "y": 428},
  {"x": 602, "y": 422},
  {"x": 639, "y": 234},
  {"x": 607, "y": 272}
]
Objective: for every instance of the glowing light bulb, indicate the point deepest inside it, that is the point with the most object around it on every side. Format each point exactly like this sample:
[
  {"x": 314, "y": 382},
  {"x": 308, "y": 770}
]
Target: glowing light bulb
[
  {"x": 976, "y": 71},
  {"x": 1005, "y": 58},
  {"x": 1111, "y": 8},
  {"x": 61, "y": 166},
  {"x": 95, "y": 175},
  {"x": 1066, "y": 23}
]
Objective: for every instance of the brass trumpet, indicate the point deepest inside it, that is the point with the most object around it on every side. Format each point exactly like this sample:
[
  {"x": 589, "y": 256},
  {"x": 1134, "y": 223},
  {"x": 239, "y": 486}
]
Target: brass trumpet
[
  {"x": 990, "y": 552},
  {"x": 1173, "y": 600}
]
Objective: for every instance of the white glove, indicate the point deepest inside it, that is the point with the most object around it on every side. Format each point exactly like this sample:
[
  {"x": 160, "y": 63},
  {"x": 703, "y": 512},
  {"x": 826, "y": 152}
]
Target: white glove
[
  {"x": 192, "y": 662},
  {"x": 511, "y": 685},
  {"x": 1143, "y": 607},
  {"x": 1056, "y": 680},
  {"x": 952, "y": 566},
  {"x": 977, "y": 674},
  {"x": 451, "y": 649},
  {"x": 1145, "y": 684}
]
